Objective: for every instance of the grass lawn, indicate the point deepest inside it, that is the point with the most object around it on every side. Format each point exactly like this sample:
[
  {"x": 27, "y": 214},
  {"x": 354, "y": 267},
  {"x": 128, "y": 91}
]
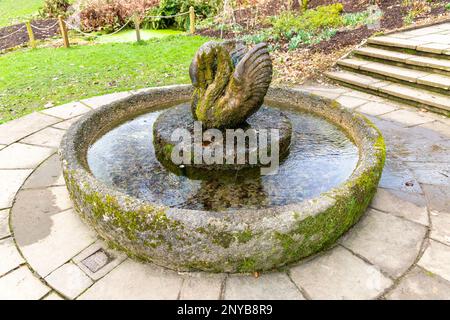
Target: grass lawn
[
  {"x": 14, "y": 11},
  {"x": 29, "y": 79},
  {"x": 130, "y": 35}
]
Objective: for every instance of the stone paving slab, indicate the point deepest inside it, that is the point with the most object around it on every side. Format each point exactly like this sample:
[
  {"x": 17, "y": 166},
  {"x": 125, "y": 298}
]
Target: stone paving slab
[
  {"x": 411, "y": 206},
  {"x": 270, "y": 286},
  {"x": 9, "y": 256},
  {"x": 436, "y": 259},
  {"x": 436, "y": 173},
  {"x": 397, "y": 176},
  {"x": 53, "y": 296},
  {"x": 48, "y": 137},
  {"x": 10, "y": 182},
  {"x": 387, "y": 241},
  {"x": 437, "y": 126},
  {"x": 48, "y": 174},
  {"x": 67, "y": 111},
  {"x": 23, "y": 156},
  {"x": 437, "y": 197},
  {"x": 134, "y": 280},
  {"x": 99, "y": 101},
  {"x": 420, "y": 285},
  {"x": 351, "y": 102},
  {"x": 69, "y": 280},
  {"x": 440, "y": 227},
  {"x": 21, "y": 284},
  {"x": 40, "y": 236},
  {"x": 376, "y": 108},
  {"x": 202, "y": 286},
  {"x": 407, "y": 118},
  {"x": 338, "y": 274},
  {"x": 64, "y": 125},
  {"x": 4, "y": 224},
  {"x": 17, "y": 129}
]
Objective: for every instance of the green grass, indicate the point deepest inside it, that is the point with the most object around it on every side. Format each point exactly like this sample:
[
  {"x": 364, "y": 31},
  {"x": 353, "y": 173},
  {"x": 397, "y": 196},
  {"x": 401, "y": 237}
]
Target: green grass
[
  {"x": 130, "y": 35},
  {"x": 15, "y": 11},
  {"x": 31, "y": 78}
]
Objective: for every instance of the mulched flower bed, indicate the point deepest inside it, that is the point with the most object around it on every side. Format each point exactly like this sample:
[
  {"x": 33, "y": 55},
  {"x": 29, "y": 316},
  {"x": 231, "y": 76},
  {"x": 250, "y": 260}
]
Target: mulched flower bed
[{"x": 44, "y": 29}]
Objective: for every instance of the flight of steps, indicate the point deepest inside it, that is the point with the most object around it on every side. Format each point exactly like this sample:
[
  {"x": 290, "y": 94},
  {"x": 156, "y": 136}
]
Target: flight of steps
[{"x": 395, "y": 69}]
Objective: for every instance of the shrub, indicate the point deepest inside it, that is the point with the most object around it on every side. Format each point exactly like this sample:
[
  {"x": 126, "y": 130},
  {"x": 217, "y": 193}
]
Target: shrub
[
  {"x": 54, "y": 8},
  {"x": 203, "y": 9},
  {"x": 311, "y": 20},
  {"x": 111, "y": 14},
  {"x": 447, "y": 6}
]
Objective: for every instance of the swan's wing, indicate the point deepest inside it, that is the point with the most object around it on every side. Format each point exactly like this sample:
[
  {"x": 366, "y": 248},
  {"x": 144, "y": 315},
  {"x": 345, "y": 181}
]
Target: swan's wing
[{"x": 253, "y": 75}]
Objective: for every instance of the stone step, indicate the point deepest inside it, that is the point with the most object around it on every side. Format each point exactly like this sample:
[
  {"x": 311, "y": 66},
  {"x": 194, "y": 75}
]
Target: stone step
[
  {"x": 405, "y": 58},
  {"x": 389, "y": 88},
  {"x": 399, "y": 73},
  {"x": 428, "y": 43}
]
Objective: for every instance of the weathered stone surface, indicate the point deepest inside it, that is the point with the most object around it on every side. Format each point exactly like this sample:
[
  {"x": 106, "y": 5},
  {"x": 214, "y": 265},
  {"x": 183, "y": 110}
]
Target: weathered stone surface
[
  {"x": 9, "y": 256},
  {"x": 69, "y": 280},
  {"x": 387, "y": 241},
  {"x": 376, "y": 108},
  {"x": 67, "y": 111},
  {"x": 23, "y": 156},
  {"x": 406, "y": 118},
  {"x": 10, "y": 182},
  {"x": 398, "y": 177},
  {"x": 99, "y": 101},
  {"x": 438, "y": 126},
  {"x": 97, "y": 260},
  {"x": 48, "y": 174},
  {"x": 64, "y": 125},
  {"x": 134, "y": 280},
  {"x": 420, "y": 285},
  {"x": 437, "y": 259},
  {"x": 15, "y": 130},
  {"x": 53, "y": 296},
  {"x": 202, "y": 286},
  {"x": 4, "y": 223},
  {"x": 436, "y": 173},
  {"x": 411, "y": 206},
  {"x": 438, "y": 197},
  {"x": 41, "y": 230},
  {"x": 270, "y": 286},
  {"x": 350, "y": 102},
  {"x": 21, "y": 284},
  {"x": 338, "y": 274},
  {"x": 440, "y": 229},
  {"x": 48, "y": 137}
]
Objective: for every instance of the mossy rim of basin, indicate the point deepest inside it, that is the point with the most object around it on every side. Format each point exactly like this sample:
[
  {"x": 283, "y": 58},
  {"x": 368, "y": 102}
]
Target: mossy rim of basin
[{"x": 244, "y": 241}]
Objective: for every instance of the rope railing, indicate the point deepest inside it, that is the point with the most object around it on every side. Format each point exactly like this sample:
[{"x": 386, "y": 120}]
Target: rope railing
[
  {"x": 64, "y": 24},
  {"x": 12, "y": 33},
  {"x": 44, "y": 28}
]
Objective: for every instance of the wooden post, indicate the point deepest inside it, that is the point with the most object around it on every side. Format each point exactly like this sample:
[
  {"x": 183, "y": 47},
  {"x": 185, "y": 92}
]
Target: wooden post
[
  {"x": 63, "y": 29},
  {"x": 30, "y": 34},
  {"x": 191, "y": 20},
  {"x": 137, "y": 27}
]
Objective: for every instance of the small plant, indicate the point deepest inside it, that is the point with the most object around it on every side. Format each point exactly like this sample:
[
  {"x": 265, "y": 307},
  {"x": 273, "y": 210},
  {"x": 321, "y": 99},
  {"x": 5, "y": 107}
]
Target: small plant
[
  {"x": 54, "y": 8},
  {"x": 447, "y": 7},
  {"x": 311, "y": 20}
]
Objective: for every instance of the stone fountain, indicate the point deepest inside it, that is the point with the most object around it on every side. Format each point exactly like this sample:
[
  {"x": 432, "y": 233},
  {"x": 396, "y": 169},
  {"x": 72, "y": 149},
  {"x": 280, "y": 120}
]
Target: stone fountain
[{"x": 152, "y": 173}]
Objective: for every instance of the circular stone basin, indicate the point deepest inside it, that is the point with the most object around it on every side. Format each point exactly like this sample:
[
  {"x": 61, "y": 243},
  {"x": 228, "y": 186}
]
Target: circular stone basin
[{"x": 240, "y": 223}]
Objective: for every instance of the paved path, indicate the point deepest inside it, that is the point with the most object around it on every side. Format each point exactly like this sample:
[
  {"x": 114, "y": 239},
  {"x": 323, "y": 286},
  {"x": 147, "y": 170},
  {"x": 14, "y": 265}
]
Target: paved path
[{"x": 400, "y": 249}]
